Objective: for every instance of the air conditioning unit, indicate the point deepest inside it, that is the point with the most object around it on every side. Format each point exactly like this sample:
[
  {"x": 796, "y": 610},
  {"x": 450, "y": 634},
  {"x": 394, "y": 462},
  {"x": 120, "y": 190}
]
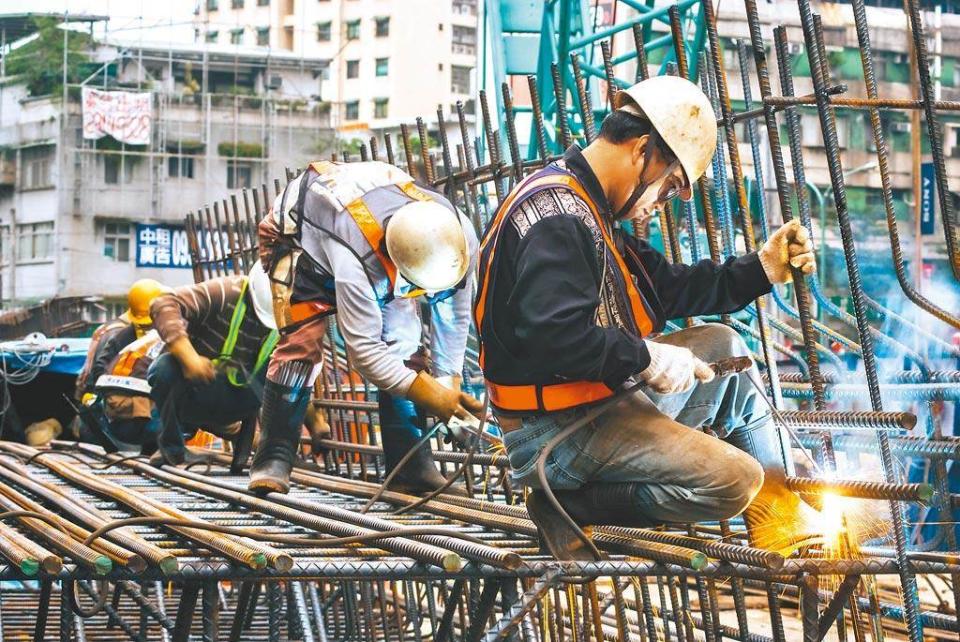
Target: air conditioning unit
[{"x": 274, "y": 82}]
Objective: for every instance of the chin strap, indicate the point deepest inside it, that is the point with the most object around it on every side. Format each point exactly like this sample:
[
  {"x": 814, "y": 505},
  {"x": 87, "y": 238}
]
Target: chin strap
[{"x": 653, "y": 140}]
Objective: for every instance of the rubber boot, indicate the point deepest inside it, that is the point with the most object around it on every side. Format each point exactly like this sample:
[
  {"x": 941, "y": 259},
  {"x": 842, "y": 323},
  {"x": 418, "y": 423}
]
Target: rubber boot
[
  {"x": 419, "y": 475},
  {"x": 281, "y": 420},
  {"x": 597, "y": 504}
]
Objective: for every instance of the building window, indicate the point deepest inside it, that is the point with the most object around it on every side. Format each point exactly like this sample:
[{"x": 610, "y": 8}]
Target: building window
[
  {"x": 383, "y": 66},
  {"x": 236, "y": 4},
  {"x": 351, "y": 110},
  {"x": 34, "y": 241},
  {"x": 353, "y": 69},
  {"x": 212, "y": 36},
  {"x": 380, "y": 107},
  {"x": 116, "y": 241},
  {"x": 116, "y": 170},
  {"x": 464, "y": 40},
  {"x": 236, "y": 36},
  {"x": 263, "y": 3},
  {"x": 353, "y": 30},
  {"x": 180, "y": 167},
  {"x": 383, "y": 27},
  {"x": 36, "y": 167},
  {"x": 239, "y": 174},
  {"x": 211, "y": 5},
  {"x": 460, "y": 79},
  {"x": 323, "y": 32},
  {"x": 263, "y": 36},
  {"x": 465, "y": 7}
]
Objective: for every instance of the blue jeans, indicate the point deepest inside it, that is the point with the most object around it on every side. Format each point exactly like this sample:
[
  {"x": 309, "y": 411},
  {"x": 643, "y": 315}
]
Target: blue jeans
[
  {"x": 207, "y": 405},
  {"x": 683, "y": 474}
]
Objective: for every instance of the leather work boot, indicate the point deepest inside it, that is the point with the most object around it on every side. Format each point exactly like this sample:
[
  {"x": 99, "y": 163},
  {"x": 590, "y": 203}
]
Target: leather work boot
[
  {"x": 555, "y": 534},
  {"x": 419, "y": 475},
  {"x": 778, "y": 520},
  {"x": 281, "y": 420}
]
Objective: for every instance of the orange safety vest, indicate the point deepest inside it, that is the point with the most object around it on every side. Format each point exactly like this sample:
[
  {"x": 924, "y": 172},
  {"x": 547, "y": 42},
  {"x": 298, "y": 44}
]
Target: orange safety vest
[{"x": 538, "y": 397}]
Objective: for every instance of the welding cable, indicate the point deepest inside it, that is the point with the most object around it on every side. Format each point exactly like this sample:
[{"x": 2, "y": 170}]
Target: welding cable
[
  {"x": 400, "y": 464},
  {"x": 591, "y": 414},
  {"x": 462, "y": 470}
]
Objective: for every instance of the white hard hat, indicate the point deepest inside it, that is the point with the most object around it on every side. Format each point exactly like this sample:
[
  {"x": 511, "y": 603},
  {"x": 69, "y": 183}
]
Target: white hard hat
[
  {"x": 258, "y": 284},
  {"x": 426, "y": 242},
  {"x": 682, "y": 116}
]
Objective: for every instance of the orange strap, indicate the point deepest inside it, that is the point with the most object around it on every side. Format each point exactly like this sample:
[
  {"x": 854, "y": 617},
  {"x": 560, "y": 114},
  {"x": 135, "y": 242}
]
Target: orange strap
[
  {"x": 308, "y": 309},
  {"x": 372, "y": 231},
  {"x": 549, "y": 398},
  {"x": 414, "y": 192}
]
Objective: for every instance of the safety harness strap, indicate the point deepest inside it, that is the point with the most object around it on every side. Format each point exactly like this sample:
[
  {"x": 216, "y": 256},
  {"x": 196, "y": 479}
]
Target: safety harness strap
[{"x": 230, "y": 343}]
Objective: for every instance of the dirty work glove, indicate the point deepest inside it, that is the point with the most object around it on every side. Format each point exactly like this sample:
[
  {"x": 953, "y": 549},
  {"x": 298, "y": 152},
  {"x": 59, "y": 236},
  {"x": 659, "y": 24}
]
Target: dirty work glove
[
  {"x": 790, "y": 246},
  {"x": 673, "y": 369},
  {"x": 438, "y": 400}
]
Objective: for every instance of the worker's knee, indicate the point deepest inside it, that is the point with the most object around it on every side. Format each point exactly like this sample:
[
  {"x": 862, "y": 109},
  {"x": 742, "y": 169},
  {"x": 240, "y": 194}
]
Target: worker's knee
[
  {"x": 715, "y": 341},
  {"x": 739, "y": 484}
]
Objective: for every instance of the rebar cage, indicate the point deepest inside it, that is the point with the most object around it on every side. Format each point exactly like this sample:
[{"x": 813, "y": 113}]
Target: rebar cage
[{"x": 470, "y": 568}]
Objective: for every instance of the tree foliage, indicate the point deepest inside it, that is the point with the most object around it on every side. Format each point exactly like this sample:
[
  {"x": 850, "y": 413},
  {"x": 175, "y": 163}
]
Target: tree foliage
[{"x": 41, "y": 63}]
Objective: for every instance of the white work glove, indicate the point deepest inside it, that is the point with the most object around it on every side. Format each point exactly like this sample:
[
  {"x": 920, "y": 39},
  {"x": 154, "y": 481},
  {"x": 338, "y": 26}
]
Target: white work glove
[
  {"x": 673, "y": 369},
  {"x": 788, "y": 246}
]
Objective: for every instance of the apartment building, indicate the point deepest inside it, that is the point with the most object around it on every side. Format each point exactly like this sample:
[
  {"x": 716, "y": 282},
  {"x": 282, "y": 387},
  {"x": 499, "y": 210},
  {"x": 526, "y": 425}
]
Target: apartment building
[
  {"x": 390, "y": 61},
  {"x": 83, "y": 217}
]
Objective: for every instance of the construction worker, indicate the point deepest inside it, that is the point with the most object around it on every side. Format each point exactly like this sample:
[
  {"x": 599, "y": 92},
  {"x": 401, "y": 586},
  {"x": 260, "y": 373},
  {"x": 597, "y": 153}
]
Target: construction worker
[
  {"x": 113, "y": 336},
  {"x": 107, "y": 342},
  {"x": 362, "y": 241},
  {"x": 567, "y": 307},
  {"x": 219, "y": 335},
  {"x": 123, "y": 407}
]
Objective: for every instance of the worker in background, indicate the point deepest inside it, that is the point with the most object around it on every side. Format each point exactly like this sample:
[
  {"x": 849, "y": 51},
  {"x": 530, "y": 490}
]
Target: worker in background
[
  {"x": 363, "y": 242},
  {"x": 219, "y": 335},
  {"x": 105, "y": 345},
  {"x": 567, "y": 310},
  {"x": 113, "y": 336},
  {"x": 123, "y": 406}
]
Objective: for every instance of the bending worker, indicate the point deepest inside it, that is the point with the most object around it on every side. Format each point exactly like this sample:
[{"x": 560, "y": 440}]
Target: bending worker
[
  {"x": 219, "y": 335},
  {"x": 567, "y": 306},
  {"x": 362, "y": 241}
]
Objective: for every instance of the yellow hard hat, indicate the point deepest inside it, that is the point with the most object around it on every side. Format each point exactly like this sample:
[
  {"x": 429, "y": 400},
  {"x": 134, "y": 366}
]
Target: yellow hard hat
[{"x": 139, "y": 297}]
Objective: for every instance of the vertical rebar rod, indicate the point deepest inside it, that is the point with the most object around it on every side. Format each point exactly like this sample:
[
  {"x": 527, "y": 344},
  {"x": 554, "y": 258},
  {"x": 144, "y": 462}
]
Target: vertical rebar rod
[
  {"x": 538, "y": 128},
  {"x": 642, "y": 72},
  {"x": 583, "y": 100},
  {"x": 560, "y": 97},
  {"x": 783, "y": 188},
  {"x": 733, "y": 150},
  {"x": 511, "y": 129},
  {"x": 935, "y": 136},
  {"x": 813, "y": 39},
  {"x": 425, "y": 150},
  {"x": 407, "y": 150}
]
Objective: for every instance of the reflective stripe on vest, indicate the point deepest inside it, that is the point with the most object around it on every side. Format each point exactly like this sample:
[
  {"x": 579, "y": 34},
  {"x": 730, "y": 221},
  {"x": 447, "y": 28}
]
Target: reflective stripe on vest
[
  {"x": 372, "y": 231},
  {"x": 230, "y": 343},
  {"x": 560, "y": 396}
]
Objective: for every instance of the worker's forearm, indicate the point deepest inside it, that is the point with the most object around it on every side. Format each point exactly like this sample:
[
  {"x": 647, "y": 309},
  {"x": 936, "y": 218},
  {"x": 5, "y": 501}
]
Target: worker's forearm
[{"x": 182, "y": 350}]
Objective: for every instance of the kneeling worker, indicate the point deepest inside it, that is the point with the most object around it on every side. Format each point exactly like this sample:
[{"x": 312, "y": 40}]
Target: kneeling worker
[
  {"x": 567, "y": 306},
  {"x": 219, "y": 335},
  {"x": 362, "y": 241}
]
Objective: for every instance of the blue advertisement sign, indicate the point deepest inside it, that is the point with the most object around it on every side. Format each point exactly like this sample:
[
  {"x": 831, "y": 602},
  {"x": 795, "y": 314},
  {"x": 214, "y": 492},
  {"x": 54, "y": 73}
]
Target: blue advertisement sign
[
  {"x": 928, "y": 195},
  {"x": 162, "y": 246}
]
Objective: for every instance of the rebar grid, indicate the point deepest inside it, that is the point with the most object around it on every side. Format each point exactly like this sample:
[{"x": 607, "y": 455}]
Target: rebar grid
[{"x": 399, "y": 588}]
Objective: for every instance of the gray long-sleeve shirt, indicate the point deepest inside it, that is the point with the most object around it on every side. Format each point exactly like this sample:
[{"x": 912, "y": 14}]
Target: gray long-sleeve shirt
[{"x": 381, "y": 336}]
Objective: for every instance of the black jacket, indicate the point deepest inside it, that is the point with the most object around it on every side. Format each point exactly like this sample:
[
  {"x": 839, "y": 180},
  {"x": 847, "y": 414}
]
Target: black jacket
[{"x": 540, "y": 321}]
